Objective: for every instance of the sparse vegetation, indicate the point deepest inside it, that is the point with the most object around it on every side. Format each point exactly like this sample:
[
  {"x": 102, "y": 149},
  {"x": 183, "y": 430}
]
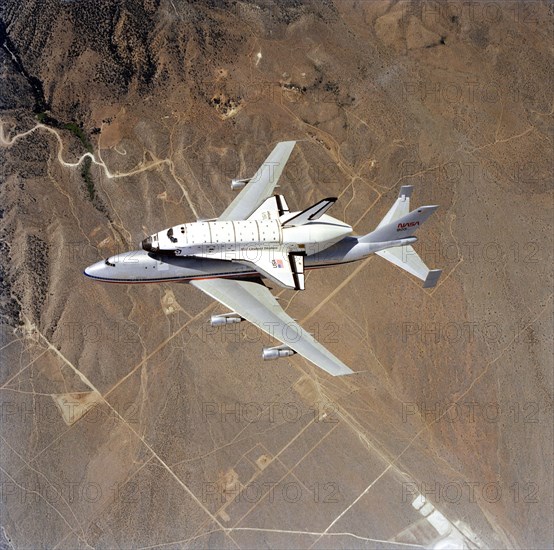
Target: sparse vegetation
[
  {"x": 87, "y": 177},
  {"x": 78, "y": 131},
  {"x": 44, "y": 118}
]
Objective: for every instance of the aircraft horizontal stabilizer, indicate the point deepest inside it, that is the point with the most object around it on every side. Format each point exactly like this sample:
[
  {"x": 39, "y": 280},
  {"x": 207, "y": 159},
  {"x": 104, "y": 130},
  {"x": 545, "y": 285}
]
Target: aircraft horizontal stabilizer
[
  {"x": 310, "y": 214},
  {"x": 406, "y": 258},
  {"x": 432, "y": 278}
]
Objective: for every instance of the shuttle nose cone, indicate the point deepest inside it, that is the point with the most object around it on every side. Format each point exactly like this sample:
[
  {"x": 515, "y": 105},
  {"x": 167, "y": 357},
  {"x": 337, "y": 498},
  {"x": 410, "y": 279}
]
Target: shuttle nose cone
[{"x": 147, "y": 244}]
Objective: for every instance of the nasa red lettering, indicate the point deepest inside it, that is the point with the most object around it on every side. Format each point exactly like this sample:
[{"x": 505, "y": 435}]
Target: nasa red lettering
[{"x": 404, "y": 226}]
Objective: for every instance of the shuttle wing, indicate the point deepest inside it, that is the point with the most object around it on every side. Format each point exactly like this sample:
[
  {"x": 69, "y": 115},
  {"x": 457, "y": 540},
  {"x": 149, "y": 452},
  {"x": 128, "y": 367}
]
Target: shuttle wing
[
  {"x": 271, "y": 209},
  {"x": 283, "y": 268},
  {"x": 255, "y": 303},
  {"x": 261, "y": 186}
]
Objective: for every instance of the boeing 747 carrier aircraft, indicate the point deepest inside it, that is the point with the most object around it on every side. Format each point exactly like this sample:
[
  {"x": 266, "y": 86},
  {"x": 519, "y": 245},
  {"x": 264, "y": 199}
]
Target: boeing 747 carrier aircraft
[{"x": 256, "y": 238}]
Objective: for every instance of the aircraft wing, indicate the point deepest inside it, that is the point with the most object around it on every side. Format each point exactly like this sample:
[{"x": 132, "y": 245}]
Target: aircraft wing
[
  {"x": 261, "y": 186},
  {"x": 255, "y": 303}
]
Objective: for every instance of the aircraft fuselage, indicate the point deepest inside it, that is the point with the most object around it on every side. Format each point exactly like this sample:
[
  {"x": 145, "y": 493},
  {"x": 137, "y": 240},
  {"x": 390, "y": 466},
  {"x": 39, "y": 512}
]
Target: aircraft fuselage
[{"x": 140, "y": 266}]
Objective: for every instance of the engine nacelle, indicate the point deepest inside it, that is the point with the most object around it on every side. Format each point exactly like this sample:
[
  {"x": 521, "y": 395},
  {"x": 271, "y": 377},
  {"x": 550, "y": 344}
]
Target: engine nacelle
[
  {"x": 225, "y": 319},
  {"x": 269, "y": 354},
  {"x": 239, "y": 184}
]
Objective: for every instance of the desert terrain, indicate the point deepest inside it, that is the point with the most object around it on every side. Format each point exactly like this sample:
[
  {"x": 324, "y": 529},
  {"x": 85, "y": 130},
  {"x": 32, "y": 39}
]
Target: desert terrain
[{"x": 129, "y": 422}]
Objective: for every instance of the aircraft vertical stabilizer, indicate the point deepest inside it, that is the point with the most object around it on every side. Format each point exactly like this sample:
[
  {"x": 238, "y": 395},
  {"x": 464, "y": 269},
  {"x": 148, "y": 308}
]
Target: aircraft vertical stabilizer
[
  {"x": 400, "y": 208},
  {"x": 400, "y": 228}
]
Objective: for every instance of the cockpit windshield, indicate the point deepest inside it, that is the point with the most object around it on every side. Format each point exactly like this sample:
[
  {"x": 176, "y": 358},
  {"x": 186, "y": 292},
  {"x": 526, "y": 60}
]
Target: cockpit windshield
[{"x": 107, "y": 262}]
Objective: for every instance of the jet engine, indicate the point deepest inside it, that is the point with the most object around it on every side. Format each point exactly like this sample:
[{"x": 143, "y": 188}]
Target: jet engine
[
  {"x": 239, "y": 184},
  {"x": 225, "y": 319},
  {"x": 276, "y": 352}
]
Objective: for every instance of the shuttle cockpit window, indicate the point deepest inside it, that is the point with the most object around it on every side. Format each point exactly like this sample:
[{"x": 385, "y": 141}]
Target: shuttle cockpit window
[{"x": 170, "y": 235}]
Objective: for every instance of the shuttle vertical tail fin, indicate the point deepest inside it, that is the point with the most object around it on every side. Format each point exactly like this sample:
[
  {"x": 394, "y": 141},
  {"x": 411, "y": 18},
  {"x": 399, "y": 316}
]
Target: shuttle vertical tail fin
[{"x": 313, "y": 213}]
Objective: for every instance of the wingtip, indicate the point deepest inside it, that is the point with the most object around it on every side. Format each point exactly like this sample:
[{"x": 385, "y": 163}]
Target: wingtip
[
  {"x": 406, "y": 191},
  {"x": 344, "y": 371},
  {"x": 431, "y": 207},
  {"x": 432, "y": 278}
]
